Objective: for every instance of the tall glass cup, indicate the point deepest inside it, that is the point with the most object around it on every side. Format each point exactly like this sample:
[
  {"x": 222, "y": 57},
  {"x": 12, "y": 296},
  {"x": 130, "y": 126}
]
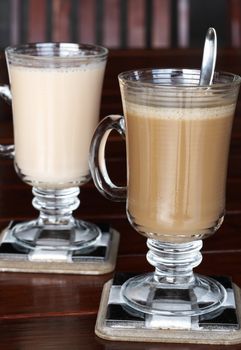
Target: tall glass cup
[
  {"x": 55, "y": 91},
  {"x": 177, "y": 140}
]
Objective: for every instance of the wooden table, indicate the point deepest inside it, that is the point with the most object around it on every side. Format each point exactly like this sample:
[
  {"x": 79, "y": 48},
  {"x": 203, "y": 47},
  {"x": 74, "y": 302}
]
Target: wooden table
[{"x": 46, "y": 311}]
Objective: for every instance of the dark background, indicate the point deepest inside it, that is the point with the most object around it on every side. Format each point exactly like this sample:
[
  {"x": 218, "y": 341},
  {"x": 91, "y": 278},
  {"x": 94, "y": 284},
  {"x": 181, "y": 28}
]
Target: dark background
[{"x": 201, "y": 15}]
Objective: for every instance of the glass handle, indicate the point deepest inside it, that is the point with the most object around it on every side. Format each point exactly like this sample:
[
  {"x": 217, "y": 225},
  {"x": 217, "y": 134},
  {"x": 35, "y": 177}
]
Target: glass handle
[
  {"x": 6, "y": 150},
  {"x": 97, "y": 157}
]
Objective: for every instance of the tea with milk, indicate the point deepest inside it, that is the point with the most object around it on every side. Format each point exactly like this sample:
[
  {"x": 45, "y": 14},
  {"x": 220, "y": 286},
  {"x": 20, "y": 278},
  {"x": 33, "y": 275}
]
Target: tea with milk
[{"x": 55, "y": 112}]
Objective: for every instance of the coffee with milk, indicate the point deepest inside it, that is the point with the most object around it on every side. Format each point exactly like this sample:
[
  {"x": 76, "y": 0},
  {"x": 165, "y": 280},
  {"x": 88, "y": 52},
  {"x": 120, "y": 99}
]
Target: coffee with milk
[{"x": 177, "y": 160}]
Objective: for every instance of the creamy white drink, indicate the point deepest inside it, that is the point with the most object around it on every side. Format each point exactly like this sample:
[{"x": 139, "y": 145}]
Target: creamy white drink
[
  {"x": 55, "y": 112},
  {"x": 56, "y": 91}
]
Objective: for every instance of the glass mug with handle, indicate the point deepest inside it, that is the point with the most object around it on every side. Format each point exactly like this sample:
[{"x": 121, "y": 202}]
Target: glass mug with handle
[
  {"x": 177, "y": 140},
  {"x": 55, "y": 91}
]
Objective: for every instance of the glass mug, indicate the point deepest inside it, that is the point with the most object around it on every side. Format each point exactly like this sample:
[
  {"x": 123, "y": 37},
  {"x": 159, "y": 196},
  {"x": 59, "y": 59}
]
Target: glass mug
[
  {"x": 55, "y": 95},
  {"x": 177, "y": 141}
]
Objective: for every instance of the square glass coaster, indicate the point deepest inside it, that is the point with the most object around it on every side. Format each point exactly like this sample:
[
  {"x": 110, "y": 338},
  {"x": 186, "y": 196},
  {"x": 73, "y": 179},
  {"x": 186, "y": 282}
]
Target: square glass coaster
[
  {"x": 95, "y": 260},
  {"x": 115, "y": 321}
]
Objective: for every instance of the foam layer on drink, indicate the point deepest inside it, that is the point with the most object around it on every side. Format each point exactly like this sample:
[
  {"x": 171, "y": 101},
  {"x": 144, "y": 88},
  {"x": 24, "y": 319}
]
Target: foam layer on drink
[
  {"x": 177, "y": 161},
  {"x": 143, "y": 111},
  {"x": 55, "y": 112}
]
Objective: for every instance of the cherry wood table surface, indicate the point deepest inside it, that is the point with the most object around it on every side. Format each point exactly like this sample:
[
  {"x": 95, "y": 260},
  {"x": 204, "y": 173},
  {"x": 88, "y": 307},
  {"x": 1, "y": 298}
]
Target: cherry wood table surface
[{"x": 47, "y": 311}]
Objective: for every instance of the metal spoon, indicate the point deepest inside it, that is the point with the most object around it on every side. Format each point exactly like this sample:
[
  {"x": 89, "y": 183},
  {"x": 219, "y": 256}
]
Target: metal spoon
[{"x": 209, "y": 58}]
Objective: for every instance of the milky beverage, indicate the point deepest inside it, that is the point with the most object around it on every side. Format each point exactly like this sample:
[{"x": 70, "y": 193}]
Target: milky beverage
[
  {"x": 55, "y": 113},
  {"x": 177, "y": 161}
]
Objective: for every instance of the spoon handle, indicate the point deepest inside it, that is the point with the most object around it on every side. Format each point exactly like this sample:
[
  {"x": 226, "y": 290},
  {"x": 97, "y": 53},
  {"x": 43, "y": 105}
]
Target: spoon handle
[{"x": 209, "y": 58}]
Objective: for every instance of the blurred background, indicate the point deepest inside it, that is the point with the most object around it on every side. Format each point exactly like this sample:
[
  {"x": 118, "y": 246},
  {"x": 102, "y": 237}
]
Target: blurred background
[{"x": 120, "y": 23}]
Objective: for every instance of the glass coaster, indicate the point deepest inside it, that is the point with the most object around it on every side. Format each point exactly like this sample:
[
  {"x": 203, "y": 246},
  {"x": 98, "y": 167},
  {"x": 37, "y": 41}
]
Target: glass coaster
[
  {"x": 95, "y": 260},
  {"x": 116, "y": 321}
]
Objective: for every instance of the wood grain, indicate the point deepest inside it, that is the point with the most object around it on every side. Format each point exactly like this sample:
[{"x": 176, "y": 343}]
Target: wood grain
[
  {"x": 37, "y": 21},
  {"x": 87, "y": 23},
  {"x": 61, "y": 20}
]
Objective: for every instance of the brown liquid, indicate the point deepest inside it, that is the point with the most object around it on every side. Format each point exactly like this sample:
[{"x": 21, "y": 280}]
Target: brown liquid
[{"x": 177, "y": 160}]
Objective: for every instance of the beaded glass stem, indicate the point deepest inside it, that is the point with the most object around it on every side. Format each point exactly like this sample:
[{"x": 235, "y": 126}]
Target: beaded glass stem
[
  {"x": 56, "y": 227},
  {"x": 173, "y": 289}
]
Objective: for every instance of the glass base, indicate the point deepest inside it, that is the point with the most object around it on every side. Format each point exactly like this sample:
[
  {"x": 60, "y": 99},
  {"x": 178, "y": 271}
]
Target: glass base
[
  {"x": 115, "y": 321},
  {"x": 173, "y": 289},
  {"x": 77, "y": 235},
  {"x": 56, "y": 228},
  {"x": 97, "y": 259},
  {"x": 147, "y": 295}
]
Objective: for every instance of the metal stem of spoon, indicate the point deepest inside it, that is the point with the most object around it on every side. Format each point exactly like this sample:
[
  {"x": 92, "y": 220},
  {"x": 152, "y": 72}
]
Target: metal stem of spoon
[{"x": 209, "y": 58}]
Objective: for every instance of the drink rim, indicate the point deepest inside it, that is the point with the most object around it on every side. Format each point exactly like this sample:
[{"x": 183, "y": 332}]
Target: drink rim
[
  {"x": 135, "y": 78},
  {"x": 45, "y": 50}
]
